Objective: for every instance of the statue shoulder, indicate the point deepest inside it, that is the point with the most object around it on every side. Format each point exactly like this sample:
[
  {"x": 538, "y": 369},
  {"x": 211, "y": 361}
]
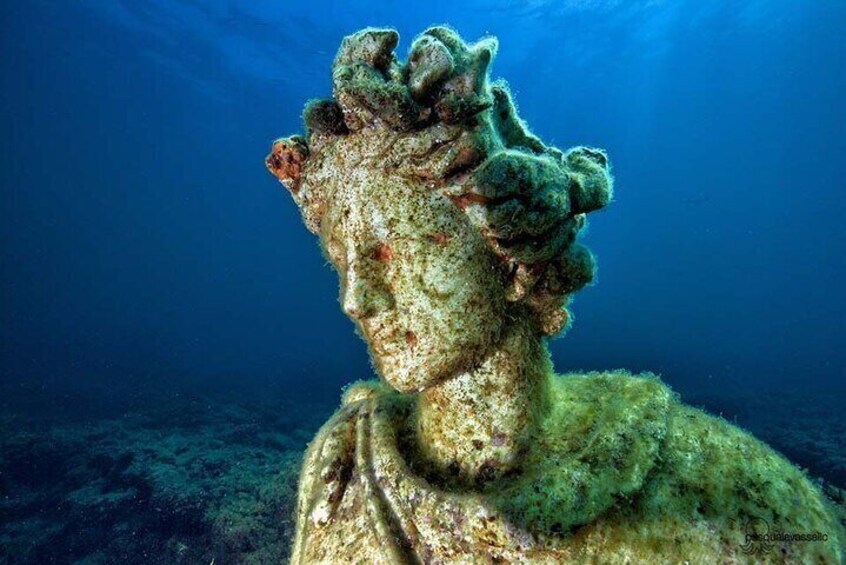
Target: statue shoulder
[
  {"x": 329, "y": 459},
  {"x": 601, "y": 438},
  {"x": 618, "y": 450},
  {"x": 326, "y": 466},
  {"x": 333, "y": 493},
  {"x": 714, "y": 469}
]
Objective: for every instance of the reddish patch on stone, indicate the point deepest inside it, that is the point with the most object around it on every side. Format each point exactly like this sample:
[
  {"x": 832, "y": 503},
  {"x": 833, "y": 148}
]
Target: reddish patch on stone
[
  {"x": 411, "y": 338},
  {"x": 468, "y": 199},
  {"x": 440, "y": 238},
  {"x": 466, "y": 156},
  {"x": 286, "y": 161},
  {"x": 383, "y": 253}
]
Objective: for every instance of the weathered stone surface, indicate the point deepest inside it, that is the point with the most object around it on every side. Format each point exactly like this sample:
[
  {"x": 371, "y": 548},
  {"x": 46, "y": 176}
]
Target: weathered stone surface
[{"x": 453, "y": 231}]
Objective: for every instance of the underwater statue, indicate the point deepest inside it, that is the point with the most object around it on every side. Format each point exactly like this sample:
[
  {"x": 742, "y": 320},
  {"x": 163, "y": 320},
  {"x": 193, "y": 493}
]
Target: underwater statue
[{"x": 454, "y": 231}]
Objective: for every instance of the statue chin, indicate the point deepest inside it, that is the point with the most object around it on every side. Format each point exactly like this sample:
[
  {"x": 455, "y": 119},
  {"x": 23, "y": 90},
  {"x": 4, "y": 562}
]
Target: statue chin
[
  {"x": 406, "y": 379},
  {"x": 418, "y": 373},
  {"x": 454, "y": 230}
]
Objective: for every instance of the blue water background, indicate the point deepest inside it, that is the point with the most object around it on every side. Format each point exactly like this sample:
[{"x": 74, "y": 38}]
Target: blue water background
[{"x": 145, "y": 246}]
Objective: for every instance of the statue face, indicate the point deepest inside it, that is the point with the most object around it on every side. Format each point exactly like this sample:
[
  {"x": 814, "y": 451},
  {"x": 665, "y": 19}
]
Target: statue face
[{"x": 419, "y": 281}]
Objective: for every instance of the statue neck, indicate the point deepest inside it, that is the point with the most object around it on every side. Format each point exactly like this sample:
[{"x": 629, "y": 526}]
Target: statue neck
[{"x": 477, "y": 425}]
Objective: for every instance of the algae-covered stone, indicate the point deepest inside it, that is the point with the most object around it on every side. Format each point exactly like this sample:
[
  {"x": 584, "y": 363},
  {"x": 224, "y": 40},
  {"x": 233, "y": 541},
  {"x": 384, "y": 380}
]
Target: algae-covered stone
[
  {"x": 619, "y": 472},
  {"x": 454, "y": 232}
]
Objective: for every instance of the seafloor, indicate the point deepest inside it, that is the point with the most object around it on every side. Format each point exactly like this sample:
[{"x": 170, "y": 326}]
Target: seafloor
[{"x": 211, "y": 477}]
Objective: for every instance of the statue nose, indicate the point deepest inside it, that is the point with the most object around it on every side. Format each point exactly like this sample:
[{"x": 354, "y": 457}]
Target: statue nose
[{"x": 364, "y": 295}]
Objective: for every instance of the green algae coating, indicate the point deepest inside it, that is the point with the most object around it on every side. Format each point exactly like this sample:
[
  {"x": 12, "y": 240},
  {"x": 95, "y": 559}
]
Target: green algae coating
[{"x": 454, "y": 230}]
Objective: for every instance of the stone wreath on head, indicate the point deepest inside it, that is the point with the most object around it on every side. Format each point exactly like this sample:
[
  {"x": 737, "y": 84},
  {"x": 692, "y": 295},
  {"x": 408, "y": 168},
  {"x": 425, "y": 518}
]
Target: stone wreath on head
[{"x": 435, "y": 119}]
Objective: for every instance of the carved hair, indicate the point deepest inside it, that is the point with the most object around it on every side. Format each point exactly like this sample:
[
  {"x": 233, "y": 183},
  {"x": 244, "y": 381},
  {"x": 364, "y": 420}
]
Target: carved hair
[{"x": 448, "y": 127}]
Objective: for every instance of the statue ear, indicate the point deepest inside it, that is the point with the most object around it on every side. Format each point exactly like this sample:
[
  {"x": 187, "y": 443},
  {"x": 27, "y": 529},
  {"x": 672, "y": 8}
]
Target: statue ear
[
  {"x": 551, "y": 313},
  {"x": 546, "y": 287},
  {"x": 520, "y": 281},
  {"x": 525, "y": 284}
]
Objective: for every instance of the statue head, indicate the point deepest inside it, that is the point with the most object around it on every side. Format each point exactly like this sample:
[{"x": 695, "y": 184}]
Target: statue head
[{"x": 446, "y": 220}]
